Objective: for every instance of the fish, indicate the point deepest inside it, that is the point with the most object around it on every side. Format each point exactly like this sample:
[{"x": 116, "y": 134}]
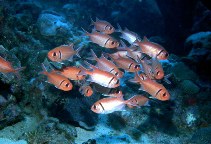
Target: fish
[
  {"x": 6, "y": 67},
  {"x": 102, "y": 40},
  {"x": 152, "y": 49},
  {"x": 157, "y": 69},
  {"x": 139, "y": 100},
  {"x": 109, "y": 105},
  {"x": 107, "y": 65},
  {"x": 63, "y": 52},
  {"x": 72, "y": 72},
  {"x": 128, "y": 35},
  {"x": 59, "y": 81},
  {"x": 122, "y": 53},
  {"x": 111, "y": 92},
  {"x": 86, "y": 90},
  {"x": 103, "y": 26},
  {"x": 126, "y": 63},
  {"x": 101, "y": 77},
  {"x": 155, "y": 89}
]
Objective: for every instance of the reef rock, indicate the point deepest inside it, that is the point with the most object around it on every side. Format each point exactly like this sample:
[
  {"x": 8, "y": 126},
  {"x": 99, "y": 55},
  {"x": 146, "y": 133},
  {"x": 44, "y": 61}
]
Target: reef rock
[
  {"x": 51, "y": 24},
  {"x": 189, "y": 87}
]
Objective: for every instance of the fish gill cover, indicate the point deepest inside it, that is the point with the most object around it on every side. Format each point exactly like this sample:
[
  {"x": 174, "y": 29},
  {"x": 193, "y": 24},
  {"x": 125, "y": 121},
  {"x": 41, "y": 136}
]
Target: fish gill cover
[{"x": 103, "y": 71}]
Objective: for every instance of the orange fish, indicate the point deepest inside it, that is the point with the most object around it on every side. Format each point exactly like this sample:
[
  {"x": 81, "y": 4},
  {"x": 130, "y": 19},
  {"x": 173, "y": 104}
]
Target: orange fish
[
  {"x": 127, "y": 35},
  {"x": 153, "y": 88},
  {"x": 109, "y": 105},
  {"x": 86, "y": 90},
  {"x": 72, "y": 73},
  {"x": 59, "y": 81},
  {"x": 107, "y": 65},
  {"x": 101, "y": 77},
  {"x": 63, "y": 52},
  {"x": 6, "y": 67},
  {"x": 103, "y": 40},
  {"x": 103, "y": 26},
  {"x": 139, "y": 100},
  {"x": 122, "y": 53},
  {"x": 152, "y": 49},
  {"x": 126, "y": 63},
  {"x": 157, "y": 69}
]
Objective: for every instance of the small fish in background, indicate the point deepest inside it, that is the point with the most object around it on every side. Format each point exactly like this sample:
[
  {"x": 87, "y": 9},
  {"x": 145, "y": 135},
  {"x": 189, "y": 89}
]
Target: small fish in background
[
  {"x": 107, "y": 65},
  {"x": 155, "y": 89},
  {"x": 63, "y": 52},
  {"x": 152, "y": 49},
  {"x": 100, "y": 77},
  {"x": 6, "y": 67},
  {"x": 102, "y": 26},
  {"x": 139, "y": 100},
  {"x": 72, "y": 72},
  {"x": 102, "y": 40},
  {"x": 157, "y": 69},
  {"x": 127, "y": 35},
  {"x": 110, "y": 105},
  {"x": 111, "y": 92},
  {"x": 59, "y": 81},
  {"x": 86, "y": 90},
  {"x": 126, "y": 63}
]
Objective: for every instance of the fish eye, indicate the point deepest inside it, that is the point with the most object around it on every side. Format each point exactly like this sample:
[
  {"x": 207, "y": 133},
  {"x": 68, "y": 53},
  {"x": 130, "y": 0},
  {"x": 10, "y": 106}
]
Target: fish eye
[
  {"x": 164, "y": 94},
  {"x": 95, "y": 107},
  {"x": 112, "y": 43},
  {"x": 110, "y": 28},
  {"x": 166, "y": 55},
  {"x": 116, "y": 74},
  {"x": 54, "y": 54},
  {"x": 67, "y": 85},
  {"x": 158, "y": 72},
  {"x": 137, "y": 66}
]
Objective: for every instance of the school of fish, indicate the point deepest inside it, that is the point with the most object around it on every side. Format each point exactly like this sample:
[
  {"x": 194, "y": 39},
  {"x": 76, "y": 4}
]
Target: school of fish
[{"x": 142, "y": 57}]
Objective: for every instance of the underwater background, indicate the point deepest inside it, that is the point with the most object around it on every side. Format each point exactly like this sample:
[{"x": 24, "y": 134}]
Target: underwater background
[{"x": 33, "y": 111}]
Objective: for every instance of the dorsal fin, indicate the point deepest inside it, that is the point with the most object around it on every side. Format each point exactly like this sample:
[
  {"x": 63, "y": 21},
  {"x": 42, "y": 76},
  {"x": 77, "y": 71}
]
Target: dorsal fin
[{"x": 145, "y": 39}]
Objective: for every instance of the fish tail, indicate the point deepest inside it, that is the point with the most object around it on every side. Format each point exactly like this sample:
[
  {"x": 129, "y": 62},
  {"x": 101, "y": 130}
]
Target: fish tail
[
  {"x": 16, "y": 72},
  {"x": 128, "y": 102},
  {"x": 90, "y": 65},
  {"x": 123, "y": 44},
  {"x": 86, "y": 32},
  {"x": 45, "y": 72},
  {"x": 92, "y": 21},
  {"x": 77, "y": 51},
  {"x": 119, "y": 28},
  {"x": 136, "y": 79},
  {"x": 94, "y": 55}
]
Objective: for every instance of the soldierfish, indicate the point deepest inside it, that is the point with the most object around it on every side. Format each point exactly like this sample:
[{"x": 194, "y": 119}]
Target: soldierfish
[
  {"x": 107, "y": 65},
  {"x": 127, "y": 35},
  {"x": 103, "y": 26},
  {"x": 126, "y": 63},
  {"x": 101, "y": 77},
  {"x": 155, "y": 89},
  {"x": 86, "y": 90},
  {"x": 6, "y": 67},
  {"x": 139, "y": 100},
  {"x": 103, "y": 40},
  {"x": 109, "y": 105},
  {"x": 152, "y": 49},
  {"x": 63, "y": 52},
  {"x": 72, "y": 72},
  {"x": 59, "y": 81}
]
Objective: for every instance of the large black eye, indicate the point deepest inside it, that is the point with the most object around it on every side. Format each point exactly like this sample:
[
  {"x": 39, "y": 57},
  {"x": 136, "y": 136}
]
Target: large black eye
[
  {"x": 116, "y": 74},
  {"x": 112, "y": 43},
  {"x": 87, "y": 90},
  {"x": 166, "y": 55},
  {"x": 54, "y": 54},
  {"x": 110, "y": 28},
  {"x": 94, "y": 107},
  {"x": 137, "y": 66},
  {"x": 67, "y": 85},
  {"x": 158, "y": 72},
  {"x": 164, "y": 94}
]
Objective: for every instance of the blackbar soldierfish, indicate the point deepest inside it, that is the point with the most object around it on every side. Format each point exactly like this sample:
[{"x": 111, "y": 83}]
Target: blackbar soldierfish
[
  {"x": 103, "y": 40},
  {"x": 107, "y": 65},
  {"x": 101, "y": 77},
  {"x": 139, "y": 100},
  {"x": 6, "y": 67},
  {"x": 86, "y": 90},
  {"x": 103, "y": 26},
  {"x": 152, "y": 49},
  {"x": 63, "y": 52},
  {"x": 59, "y": 81}
]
